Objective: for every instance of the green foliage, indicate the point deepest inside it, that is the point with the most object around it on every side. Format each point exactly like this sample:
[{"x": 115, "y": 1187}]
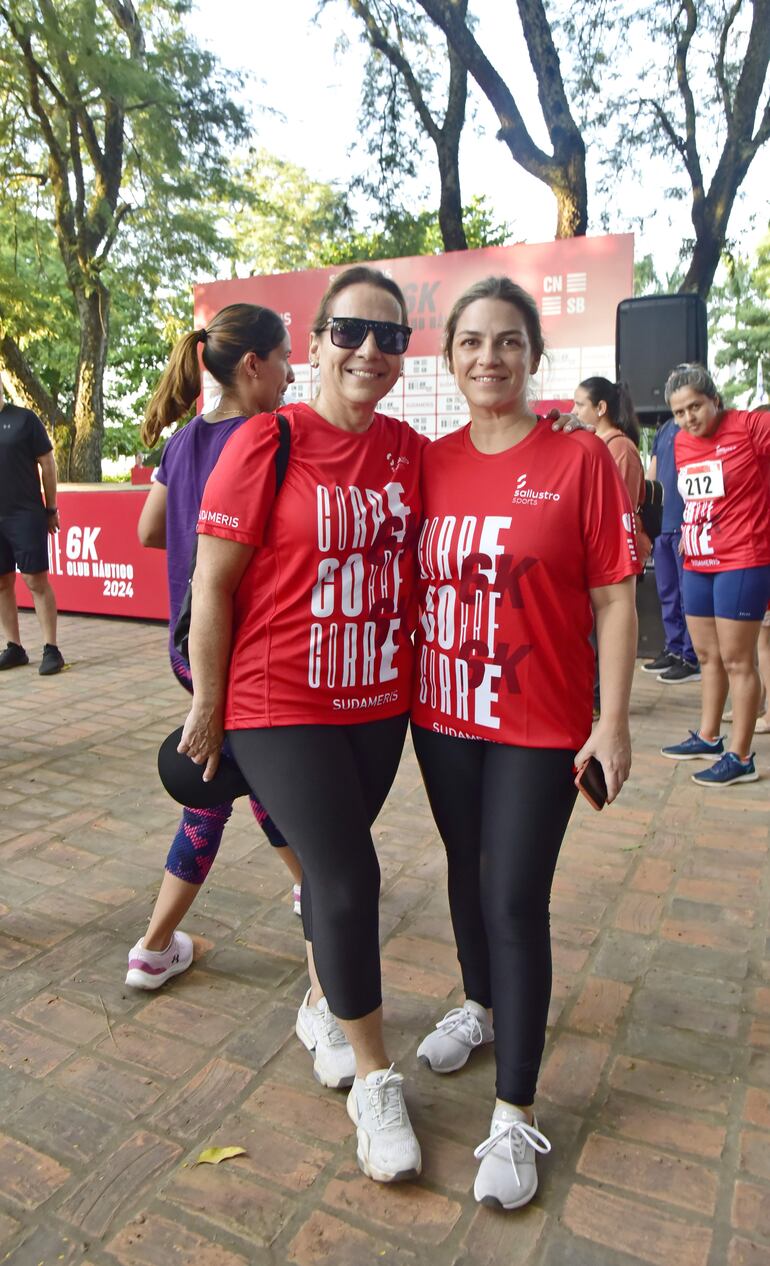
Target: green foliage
[
  {"x": 739, "y": 319},
  {"x": 115, "y": 128},
  {"x": 648, "y": 282},
  {"x": 36, "y": 306},
  {"x": 282, "y": 219},
  {"x": 403, "y": 233}
]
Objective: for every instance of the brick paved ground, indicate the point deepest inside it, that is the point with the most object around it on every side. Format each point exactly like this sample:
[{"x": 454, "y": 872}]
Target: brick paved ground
[{"x": 655, "y": 1089}]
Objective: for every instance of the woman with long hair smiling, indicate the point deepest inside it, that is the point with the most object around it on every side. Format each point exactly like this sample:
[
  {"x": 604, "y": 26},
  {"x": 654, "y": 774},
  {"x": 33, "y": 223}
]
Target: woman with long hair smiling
[{"x": 527, "y": 539}]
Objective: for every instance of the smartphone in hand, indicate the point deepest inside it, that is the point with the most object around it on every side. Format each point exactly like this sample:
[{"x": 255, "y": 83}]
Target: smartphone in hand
[{"x": 590, "y": 782}]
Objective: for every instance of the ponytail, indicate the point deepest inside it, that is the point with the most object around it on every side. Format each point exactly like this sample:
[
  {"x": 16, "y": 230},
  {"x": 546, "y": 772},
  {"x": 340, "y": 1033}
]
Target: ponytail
[
  {"x": 627, "y": 421},
  {"x": 178, "y": 389},
  {"x": 620, "y": 406},
  {"x": 235, "y": 330}
]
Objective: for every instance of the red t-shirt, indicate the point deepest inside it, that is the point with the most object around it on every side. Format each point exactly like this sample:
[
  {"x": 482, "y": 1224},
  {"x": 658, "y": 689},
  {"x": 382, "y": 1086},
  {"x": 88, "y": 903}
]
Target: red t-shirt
[
  {"x": 723, "y": 479},
  {"x": 510, "y": 546},
  {"x": 323, "y": 615}
]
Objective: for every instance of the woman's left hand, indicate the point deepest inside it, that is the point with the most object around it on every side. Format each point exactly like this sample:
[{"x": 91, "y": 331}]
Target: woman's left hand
[
  {"x": 566, "y": 422},
  {"x": 610, "y": 743},
  {"x": 202, "y": 738}
]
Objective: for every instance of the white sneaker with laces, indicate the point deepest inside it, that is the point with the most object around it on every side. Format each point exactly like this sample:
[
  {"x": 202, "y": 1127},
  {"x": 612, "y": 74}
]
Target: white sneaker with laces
[
  {"x": 334, "y": 1064},
  {"x": 149, "y": 969},
  {"x": 460, "y": 1032},
  {"x": 507, "y": 1177},
  {"x": 388, "y": 1150}
]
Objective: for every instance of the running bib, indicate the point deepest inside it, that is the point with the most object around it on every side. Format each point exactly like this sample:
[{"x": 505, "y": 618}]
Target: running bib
[{"x": 701, "y": 481}]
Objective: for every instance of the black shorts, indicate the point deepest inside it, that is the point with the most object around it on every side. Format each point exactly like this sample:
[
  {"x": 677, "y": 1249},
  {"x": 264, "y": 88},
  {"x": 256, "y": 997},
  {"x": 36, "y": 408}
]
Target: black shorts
[{"x": 24, "y": 541}]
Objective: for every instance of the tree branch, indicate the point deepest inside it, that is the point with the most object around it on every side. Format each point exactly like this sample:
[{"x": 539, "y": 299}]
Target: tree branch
[
  {"x": 513, "y": 129},
  {"x": 27, "y": 385},
  {"x": 668, "y": 127},
  {"x": 719, "y": 69},
  {"x": 378, "y": 39},
  {"x": 690, "y": 155},
  {"x": 123, "y": 210}
]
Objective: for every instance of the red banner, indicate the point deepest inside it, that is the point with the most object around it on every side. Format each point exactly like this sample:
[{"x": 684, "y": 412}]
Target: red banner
[
  {"x": 576, "y": 283},
  {"x": 97, "y": 565}
]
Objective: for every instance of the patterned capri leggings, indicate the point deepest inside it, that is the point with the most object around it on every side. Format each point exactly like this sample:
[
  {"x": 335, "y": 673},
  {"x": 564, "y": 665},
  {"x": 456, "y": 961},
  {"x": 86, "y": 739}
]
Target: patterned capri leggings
[{"x": 199, "y": 833}]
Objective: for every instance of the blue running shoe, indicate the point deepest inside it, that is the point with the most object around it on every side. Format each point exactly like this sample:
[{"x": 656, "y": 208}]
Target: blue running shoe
[
  {"x": 694, "y": 748},
  {"x": 727, "y": 771}
]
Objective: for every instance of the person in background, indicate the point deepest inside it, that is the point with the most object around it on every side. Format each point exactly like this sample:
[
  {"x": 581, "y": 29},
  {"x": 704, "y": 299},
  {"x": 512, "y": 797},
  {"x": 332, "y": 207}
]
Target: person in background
[
  {"x": 677, "y": 662},
  {"x": 526, "y": 540},
  {"x": 607, "y": 406},
  {"x": 26, "y": 520},
  {"x": 246, "y": 349},
  {"x": 723, "y": 463}
]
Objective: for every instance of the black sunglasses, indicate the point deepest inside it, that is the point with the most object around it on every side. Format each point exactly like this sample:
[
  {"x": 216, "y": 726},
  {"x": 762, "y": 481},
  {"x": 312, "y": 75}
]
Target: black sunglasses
[{"x": 350, "y": 332}]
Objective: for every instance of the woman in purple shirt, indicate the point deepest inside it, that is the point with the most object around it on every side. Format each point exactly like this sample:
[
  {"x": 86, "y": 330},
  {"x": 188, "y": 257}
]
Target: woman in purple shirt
[{"x": 246, "y": 349}]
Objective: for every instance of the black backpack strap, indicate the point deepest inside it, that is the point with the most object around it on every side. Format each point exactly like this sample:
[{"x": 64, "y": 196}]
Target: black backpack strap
[{"x": 282, "y": 452}]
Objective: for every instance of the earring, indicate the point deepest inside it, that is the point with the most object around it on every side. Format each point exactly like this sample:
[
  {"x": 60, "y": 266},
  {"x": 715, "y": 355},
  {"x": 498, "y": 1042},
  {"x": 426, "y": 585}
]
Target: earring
[{"x": 314, "y": 364}]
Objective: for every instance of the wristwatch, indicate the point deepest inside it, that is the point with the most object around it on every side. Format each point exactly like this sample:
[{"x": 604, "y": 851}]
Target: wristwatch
[{"x": 52, "y": 509}]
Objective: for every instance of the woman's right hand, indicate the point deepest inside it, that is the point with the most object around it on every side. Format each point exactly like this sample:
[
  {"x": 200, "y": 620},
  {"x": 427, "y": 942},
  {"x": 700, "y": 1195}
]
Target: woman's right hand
[{"x": 202, "y": 738}]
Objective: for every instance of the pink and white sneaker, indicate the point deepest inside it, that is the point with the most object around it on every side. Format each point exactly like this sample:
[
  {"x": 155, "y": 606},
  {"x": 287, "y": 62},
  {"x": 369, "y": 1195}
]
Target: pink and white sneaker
[
  {"x": 297, "y": 899},
  {"x": 149, "y": 969}
]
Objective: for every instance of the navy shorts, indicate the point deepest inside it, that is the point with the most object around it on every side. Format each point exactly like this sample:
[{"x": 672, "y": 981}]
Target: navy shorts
[
  {"x": 742, "y": 594},
  {"x": 24, "y": 541}
]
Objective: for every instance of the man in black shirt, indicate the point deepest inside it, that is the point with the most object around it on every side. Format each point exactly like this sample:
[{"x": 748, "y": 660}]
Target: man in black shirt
[{"x": 26, "y": 455}]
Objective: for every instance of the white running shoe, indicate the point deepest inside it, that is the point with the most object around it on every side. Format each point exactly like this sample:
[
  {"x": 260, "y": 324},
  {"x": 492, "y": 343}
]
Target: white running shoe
[
  {"x": 507, "y": 1177},
  {"x": 296, "y": 896},
  {"x": 149, "y": 969},
  {"x": 461, "y": 1031},
  {"x": 334, "y": 1064},
  {"x": 388, "y": 1150}
]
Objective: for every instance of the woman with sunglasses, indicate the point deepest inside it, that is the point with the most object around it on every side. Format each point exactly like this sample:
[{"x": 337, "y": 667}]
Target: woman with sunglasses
[
  {"x": 301, "y": 651},
  {"x": 527, "y": 537}
]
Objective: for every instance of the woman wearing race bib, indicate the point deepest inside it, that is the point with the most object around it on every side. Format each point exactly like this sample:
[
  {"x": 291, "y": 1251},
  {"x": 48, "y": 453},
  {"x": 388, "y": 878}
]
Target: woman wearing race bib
[
  {"x": 527, "y": 536},
  {"x": 723, "y": 463},
  {"x": 300, "y": 648}
]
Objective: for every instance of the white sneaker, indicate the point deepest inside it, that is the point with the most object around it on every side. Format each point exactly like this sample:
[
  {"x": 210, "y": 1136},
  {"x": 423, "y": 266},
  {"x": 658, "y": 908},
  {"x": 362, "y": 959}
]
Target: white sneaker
[
  {"x": 149, "y": 969},
  {"x": 461, "y": 1031},
  {"x": 507, "y": 1176},
  {"x": 388, "y": 1150},
  {"x": 317, "y": 1029},
  {"x": 296, "y": 896}
]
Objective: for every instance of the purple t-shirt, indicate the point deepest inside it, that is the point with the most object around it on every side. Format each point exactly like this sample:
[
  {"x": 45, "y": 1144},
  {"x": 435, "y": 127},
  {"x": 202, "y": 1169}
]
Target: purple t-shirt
[{"x": 188, "y": 459}]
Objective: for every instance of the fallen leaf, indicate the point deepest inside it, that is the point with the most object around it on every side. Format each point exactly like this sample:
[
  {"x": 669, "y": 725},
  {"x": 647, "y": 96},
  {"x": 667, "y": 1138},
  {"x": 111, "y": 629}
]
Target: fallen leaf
[{"x": 213, "y": 1155}]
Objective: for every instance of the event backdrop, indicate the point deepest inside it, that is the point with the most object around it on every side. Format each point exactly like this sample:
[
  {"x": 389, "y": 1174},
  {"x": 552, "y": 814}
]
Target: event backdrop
[
  {"x": 97, "y": 564},
  {"x": 577, "y": 283}
]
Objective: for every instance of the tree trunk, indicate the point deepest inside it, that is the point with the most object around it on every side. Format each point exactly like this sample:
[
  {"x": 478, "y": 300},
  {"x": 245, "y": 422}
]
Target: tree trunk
[
  {"x": 571, "y": 205},
  {"x": 86, "y": 459},
  {"x": 705, "y": 258},
  {"x": 450, "y": 212}
]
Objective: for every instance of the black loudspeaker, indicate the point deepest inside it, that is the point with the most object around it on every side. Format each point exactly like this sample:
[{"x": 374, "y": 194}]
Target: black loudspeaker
[{"x": 652, "y": 335}]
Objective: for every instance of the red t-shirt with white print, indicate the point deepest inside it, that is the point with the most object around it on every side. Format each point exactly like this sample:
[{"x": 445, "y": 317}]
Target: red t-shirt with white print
[
  {"x": 323, "y": 615},
  {"x": 723, "y": 479},
  {"x": 510, "y": 546}
]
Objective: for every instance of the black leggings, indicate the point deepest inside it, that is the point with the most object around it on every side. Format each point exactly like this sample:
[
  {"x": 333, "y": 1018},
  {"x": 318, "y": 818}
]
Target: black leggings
[
  {"x": 323, "y": 786},
  {"x": 502, "y": 812}
]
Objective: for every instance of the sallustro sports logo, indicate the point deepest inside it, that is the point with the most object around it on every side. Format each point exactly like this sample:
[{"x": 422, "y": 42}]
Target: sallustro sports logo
[{"x": 525, "y": 496}]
